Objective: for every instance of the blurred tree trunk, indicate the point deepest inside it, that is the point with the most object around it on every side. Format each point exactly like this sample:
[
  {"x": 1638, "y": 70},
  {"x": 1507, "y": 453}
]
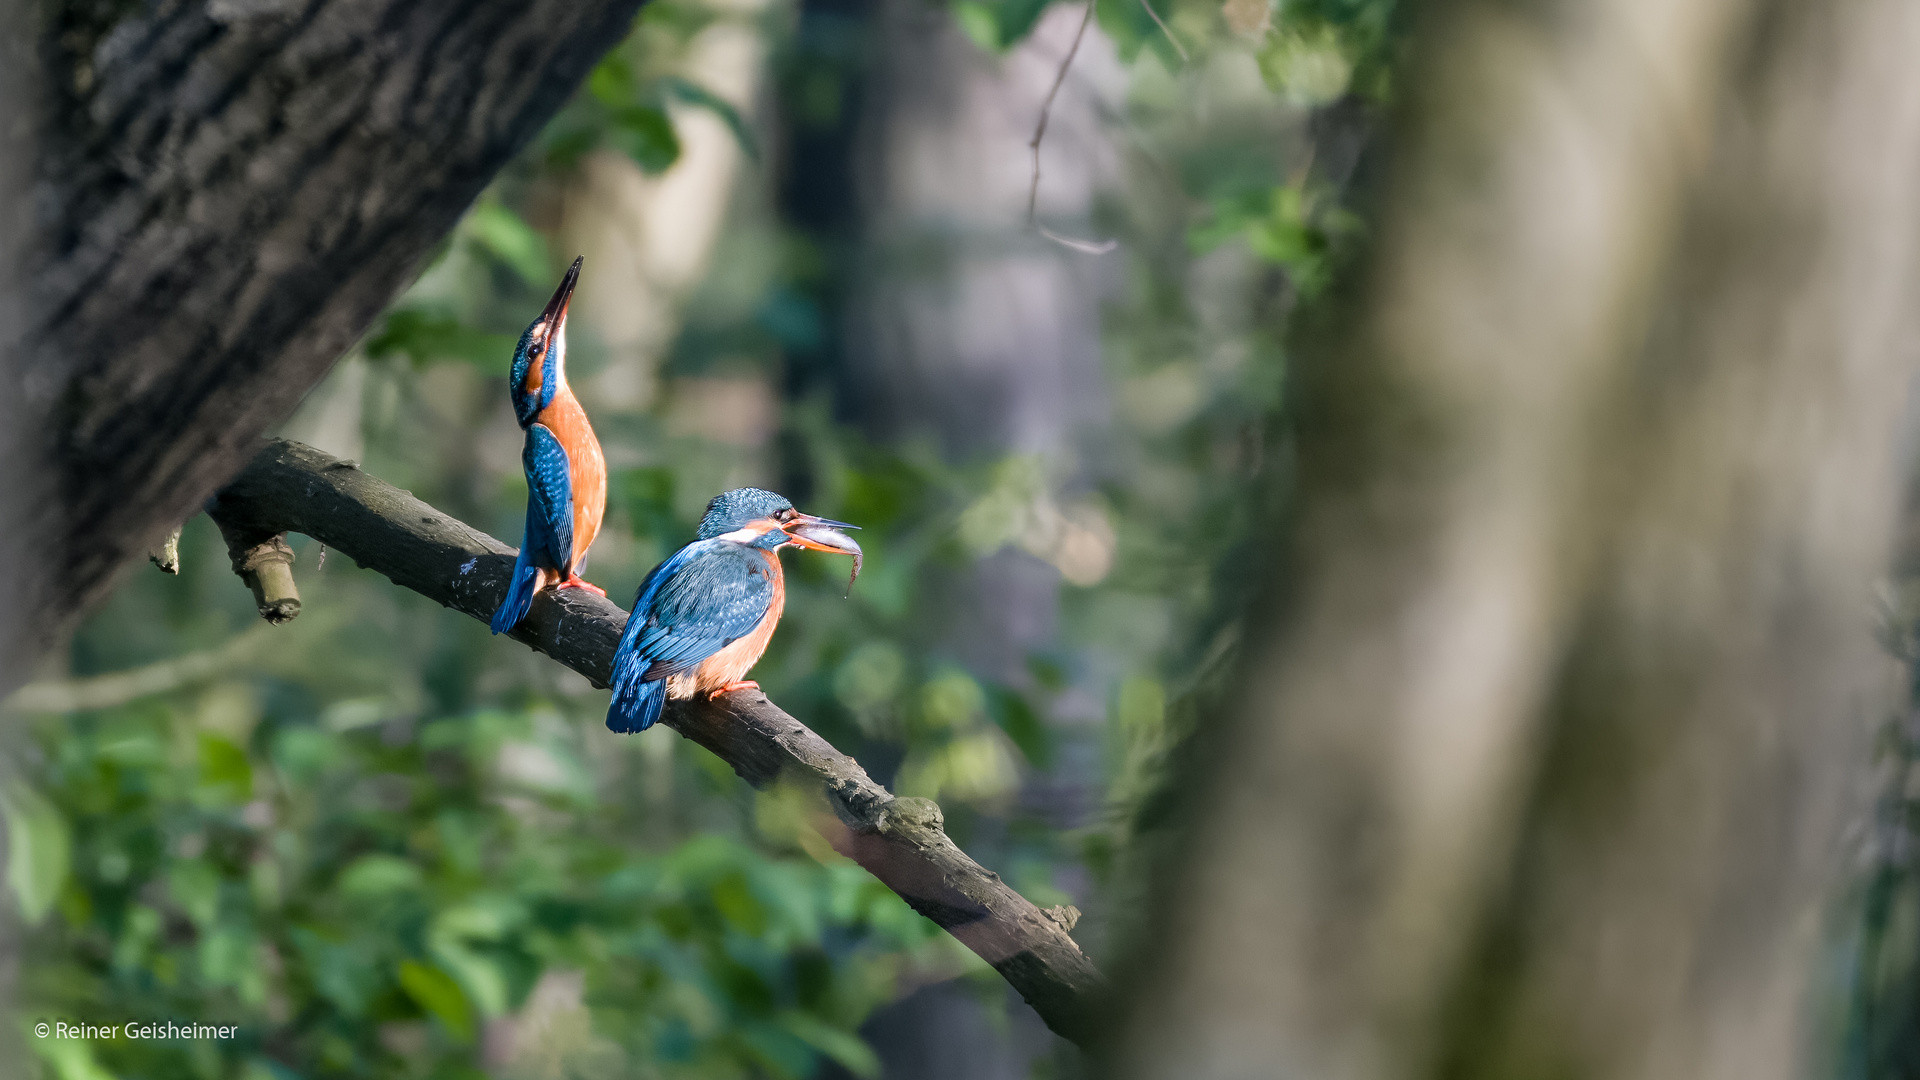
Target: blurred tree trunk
[
  {"x": 1565, "y": 681},
  {"x": 964, "y": 323},
  {"x": 965, "y": 327},
  {"x": 19, "y": 443},
  {"x": 223, "y": 195}
]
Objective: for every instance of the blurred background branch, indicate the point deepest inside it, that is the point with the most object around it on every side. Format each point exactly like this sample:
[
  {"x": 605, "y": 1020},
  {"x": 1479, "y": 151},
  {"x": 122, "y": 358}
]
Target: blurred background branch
[{"x": 122, "y": 687}]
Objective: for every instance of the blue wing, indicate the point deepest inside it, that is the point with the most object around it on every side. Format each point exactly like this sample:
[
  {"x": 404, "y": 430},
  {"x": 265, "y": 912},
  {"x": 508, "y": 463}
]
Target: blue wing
[
  {"x": 708, "y": 595},
  {"x": 717, "y": 595},
  {"x": 547, "y": 542},
  {"x": 549, "y": 497},
  {"x": 519, "y": 591}
]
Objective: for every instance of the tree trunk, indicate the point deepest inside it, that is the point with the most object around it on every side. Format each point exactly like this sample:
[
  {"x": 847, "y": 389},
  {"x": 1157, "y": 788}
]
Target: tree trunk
[
  {"x": 1567, "y": 675},
  {"x": 966, "y": 327},
  {"x": 226, "y": 194}
]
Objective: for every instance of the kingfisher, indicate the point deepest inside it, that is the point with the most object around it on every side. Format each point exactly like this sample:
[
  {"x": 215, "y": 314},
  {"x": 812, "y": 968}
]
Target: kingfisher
[
  {"x": 566, "y": 472},
  {"x": 703, "y": 617}
]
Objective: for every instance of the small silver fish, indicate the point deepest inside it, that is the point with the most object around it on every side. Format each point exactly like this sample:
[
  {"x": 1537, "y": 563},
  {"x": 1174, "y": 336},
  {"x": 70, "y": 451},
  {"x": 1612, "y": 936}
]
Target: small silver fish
[{"x": 821, "y": 536}]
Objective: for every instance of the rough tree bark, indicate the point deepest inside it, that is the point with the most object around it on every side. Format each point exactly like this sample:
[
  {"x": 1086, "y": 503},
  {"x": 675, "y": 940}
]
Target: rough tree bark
[
  {"x": 293, "y": 488},
  {"x": 19, "y": 442},
  {"x": 226, "y": 194},
  {"x": 1568, "y": 670}
]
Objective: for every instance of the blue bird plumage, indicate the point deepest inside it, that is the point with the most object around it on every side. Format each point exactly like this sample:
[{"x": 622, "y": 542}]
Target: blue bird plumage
[
  {"x": 703, "y": 617},
  {"x": 566, "y": 473},
  {"x": 548, "y": 538},
  {"x": 527, "y": 405}
]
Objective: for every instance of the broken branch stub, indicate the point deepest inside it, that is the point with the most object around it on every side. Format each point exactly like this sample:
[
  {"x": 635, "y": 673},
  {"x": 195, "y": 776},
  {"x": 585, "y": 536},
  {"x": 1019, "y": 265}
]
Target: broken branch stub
[
  {"x": 167, "y": 555},
  {"x": 266, "y": 565}
]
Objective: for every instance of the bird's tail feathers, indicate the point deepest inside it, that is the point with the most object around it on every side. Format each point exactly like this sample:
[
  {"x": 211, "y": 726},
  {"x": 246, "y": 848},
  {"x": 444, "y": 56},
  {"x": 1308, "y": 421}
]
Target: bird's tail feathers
[
  {"x": 636, "y": 705},
  {"x": 526, "y": 581}
]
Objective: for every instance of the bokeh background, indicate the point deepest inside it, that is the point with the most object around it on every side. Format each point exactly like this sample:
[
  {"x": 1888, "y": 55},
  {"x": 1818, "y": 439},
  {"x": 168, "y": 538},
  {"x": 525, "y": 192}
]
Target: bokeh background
[{"x": 384, "y": 843}]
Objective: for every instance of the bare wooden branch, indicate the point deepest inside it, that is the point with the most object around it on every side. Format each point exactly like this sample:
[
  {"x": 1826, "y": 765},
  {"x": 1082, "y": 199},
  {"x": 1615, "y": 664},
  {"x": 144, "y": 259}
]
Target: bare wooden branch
[{"x": 293, "y": 488}]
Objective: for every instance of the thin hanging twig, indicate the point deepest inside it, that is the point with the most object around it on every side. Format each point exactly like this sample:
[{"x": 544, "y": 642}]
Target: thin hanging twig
[
  {"x": 1167, "y": 30},
  {"x": 1091, "y": 247}
]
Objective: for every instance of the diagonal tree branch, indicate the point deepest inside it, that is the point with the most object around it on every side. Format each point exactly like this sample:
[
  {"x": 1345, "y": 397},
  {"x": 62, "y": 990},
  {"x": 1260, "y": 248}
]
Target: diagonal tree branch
[{"x": 293, "y": 488}]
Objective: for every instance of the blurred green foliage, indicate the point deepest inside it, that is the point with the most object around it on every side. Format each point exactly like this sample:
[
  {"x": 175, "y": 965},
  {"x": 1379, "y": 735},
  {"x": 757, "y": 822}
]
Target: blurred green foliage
[
  {"x": 627, "y": 110},
  {"x": 383, "y": 843},
  {"x": 1875, "y": 974},
  {"x": 365, "y": 857},
  {"x": 1281, "y": 226},
  {"x": 366, "y": 905}
]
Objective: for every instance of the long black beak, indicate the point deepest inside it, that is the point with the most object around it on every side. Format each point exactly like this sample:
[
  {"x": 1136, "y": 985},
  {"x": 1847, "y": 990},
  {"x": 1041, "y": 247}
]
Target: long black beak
[
  {"x": 556, "y": 312},
  {"x": 821, "y": 534}
]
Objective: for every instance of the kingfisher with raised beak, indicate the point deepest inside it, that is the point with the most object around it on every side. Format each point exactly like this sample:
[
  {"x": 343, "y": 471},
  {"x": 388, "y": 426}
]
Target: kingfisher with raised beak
[
  {"x": 703, "y": 617},
  {"x": 566, "y": 472}
]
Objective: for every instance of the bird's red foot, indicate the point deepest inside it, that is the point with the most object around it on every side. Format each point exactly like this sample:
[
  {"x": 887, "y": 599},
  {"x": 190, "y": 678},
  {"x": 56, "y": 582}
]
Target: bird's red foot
[
  {"x": 732, "y": 686},
  {"x": 577, "y": 582}
]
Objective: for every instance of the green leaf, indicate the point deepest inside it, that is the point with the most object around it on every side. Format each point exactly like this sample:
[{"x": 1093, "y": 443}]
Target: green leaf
[
  {"x": 343, "y": 976},
  {"x": 1129, "y": 26},
  {"x": 1310, "y": 66},
  {"x": 225, "y": 774},
  {"x": 70, "y": 1059},
  {"x": 506, "y": 236},
  {"x": 448, "y": 939},
  {"x": 426, "y": 336},
  {"x": 482, "y": 980},
  {"x": 1022, "y": 724},
  {"x": 977, "y": 22},
  {"x": 997, "y": 25},
  {"x": 1141, "y": 710},
  {"x": 439, "y": 995},
  {"x": 645, "y": 133},
  {"x": 847, "y": 1049},
  {"x": 691, "y": 93},
  {"x": 777, "y": 1051},
  {"x": 611, "y": 82},
  {"x": 733, "y": 898},
  {"x": 1228, "y": 217},
  {"x": 378, "y": 875},
  {"x": 195, "y": 886},
  {"x": 227, "y": 956},
  {"x": 39, "y": 849}
]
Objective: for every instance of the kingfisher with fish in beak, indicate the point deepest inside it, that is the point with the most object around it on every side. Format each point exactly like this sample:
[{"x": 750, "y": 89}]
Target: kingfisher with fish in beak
[
  {"x": 566, "y": 472},
  {"x": 703, "y": 617}
]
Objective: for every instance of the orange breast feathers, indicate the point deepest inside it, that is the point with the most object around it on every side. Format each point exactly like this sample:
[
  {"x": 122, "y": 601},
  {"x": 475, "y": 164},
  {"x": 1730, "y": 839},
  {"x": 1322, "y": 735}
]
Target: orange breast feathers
[
  {"x": 731, "y": 664},
  {"x": 586, "y": 467}
]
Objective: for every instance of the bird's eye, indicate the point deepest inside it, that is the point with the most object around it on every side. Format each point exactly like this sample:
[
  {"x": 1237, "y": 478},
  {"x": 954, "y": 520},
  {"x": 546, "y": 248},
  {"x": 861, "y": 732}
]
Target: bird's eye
[{"x": 784, "y": 515}]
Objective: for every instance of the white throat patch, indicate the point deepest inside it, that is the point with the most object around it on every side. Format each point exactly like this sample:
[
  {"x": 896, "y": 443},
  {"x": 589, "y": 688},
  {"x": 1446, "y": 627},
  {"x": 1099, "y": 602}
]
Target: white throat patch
[{"x": 747, "y": 534}]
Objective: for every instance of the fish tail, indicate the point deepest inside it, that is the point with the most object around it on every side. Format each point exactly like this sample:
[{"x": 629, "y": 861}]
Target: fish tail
[
  {"x": 526, "y": 582},
  {"x": 636, "y": 705}
]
